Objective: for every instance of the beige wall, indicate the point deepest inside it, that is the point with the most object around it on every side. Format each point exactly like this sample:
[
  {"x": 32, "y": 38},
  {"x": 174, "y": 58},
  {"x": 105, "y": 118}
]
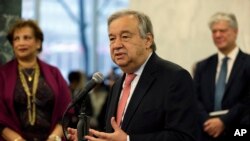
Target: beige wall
[{"x": 181, "y": 31}]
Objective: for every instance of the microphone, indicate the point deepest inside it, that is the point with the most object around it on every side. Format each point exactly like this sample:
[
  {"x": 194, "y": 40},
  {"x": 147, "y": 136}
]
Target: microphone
[{"x": 97, "y": 78}]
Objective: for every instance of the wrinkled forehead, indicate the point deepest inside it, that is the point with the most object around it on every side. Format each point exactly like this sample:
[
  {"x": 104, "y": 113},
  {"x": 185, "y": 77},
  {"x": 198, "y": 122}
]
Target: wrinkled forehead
[{"x": 26, "y": 29}]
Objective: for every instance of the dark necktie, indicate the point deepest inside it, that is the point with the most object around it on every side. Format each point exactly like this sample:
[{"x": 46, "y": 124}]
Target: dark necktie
[{"x": 221, "y": 84}]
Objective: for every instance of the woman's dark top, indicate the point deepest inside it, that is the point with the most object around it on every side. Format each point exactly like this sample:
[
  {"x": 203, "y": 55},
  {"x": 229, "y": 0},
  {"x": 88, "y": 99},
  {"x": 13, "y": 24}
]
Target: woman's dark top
[{"x": 44, "y": 107}]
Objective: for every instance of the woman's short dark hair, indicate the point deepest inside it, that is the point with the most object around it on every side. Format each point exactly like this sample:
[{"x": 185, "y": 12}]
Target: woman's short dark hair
[{"x": 21, "y": 23}]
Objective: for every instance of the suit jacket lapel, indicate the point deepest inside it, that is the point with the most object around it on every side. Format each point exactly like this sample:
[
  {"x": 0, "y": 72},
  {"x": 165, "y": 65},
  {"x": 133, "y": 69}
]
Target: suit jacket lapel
[
  {"x": 237, "y": 66},
  {"x": 115, "y": 98},
  {"x": 141, "y": 89},
  {"x": 113, "y": 102},
  {"x": 211, "y": 76}
]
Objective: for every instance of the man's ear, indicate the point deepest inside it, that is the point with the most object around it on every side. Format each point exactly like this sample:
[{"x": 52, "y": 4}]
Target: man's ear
[{"x": 149, "y": 40}]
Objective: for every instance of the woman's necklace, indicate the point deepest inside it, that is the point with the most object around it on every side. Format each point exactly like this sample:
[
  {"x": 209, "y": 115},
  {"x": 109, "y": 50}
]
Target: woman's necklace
[
  {"x": 31, "y": 95},
  {"x": 29, "y": 75}
]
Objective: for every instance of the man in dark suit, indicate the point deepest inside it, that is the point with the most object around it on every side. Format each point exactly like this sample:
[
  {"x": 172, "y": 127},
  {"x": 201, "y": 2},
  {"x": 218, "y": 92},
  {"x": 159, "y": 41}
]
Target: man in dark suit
[
  {"x": 221, "y": 115},
  {"x": 161, "y": 104}
]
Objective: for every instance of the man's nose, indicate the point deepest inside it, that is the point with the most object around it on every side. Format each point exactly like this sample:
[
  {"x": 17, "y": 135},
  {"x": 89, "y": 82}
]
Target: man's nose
[
  {"x": 117, "y": 43},
  {"x": 217, "y": 34}
]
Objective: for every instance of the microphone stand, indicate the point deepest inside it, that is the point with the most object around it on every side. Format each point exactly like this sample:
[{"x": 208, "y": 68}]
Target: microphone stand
[{"x": 83, "y": 122}]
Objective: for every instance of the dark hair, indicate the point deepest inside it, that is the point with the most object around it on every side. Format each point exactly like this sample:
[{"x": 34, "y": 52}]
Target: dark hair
[
  {"x": 21, "y": 23},
  {"x": 74, "y": 76}
]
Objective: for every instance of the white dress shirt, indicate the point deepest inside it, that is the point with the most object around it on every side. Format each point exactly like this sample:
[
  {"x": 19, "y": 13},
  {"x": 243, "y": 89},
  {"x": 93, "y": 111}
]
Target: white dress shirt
[
  {"x": 132, "y": 88},
  {"x": 231, "y": 59}
]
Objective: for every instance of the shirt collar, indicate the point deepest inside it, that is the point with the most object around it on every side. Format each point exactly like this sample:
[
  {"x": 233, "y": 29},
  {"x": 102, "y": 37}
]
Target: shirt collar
[
  {"x": 232, "y": 55},
  {"x": 139, "y": 71}
]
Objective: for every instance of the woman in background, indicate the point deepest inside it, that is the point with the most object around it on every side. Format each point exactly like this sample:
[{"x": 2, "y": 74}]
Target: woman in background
[{"x": 33, "y": 94}]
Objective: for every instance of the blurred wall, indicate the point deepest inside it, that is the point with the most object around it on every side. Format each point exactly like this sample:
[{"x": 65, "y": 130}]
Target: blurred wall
[
  {"x": 181, "y": 26},
  {"x": 10, "y": 10}
]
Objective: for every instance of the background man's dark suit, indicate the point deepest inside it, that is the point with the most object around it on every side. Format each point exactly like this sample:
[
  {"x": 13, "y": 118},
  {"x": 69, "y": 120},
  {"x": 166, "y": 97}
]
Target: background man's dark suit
[
  {"x": 162, "y": 104},
  {"x": 236, "y": 94}
]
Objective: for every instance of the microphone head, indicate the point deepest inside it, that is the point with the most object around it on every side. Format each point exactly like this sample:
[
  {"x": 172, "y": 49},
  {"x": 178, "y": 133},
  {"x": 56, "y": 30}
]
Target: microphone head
[{"x": 98, "y": 77}]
